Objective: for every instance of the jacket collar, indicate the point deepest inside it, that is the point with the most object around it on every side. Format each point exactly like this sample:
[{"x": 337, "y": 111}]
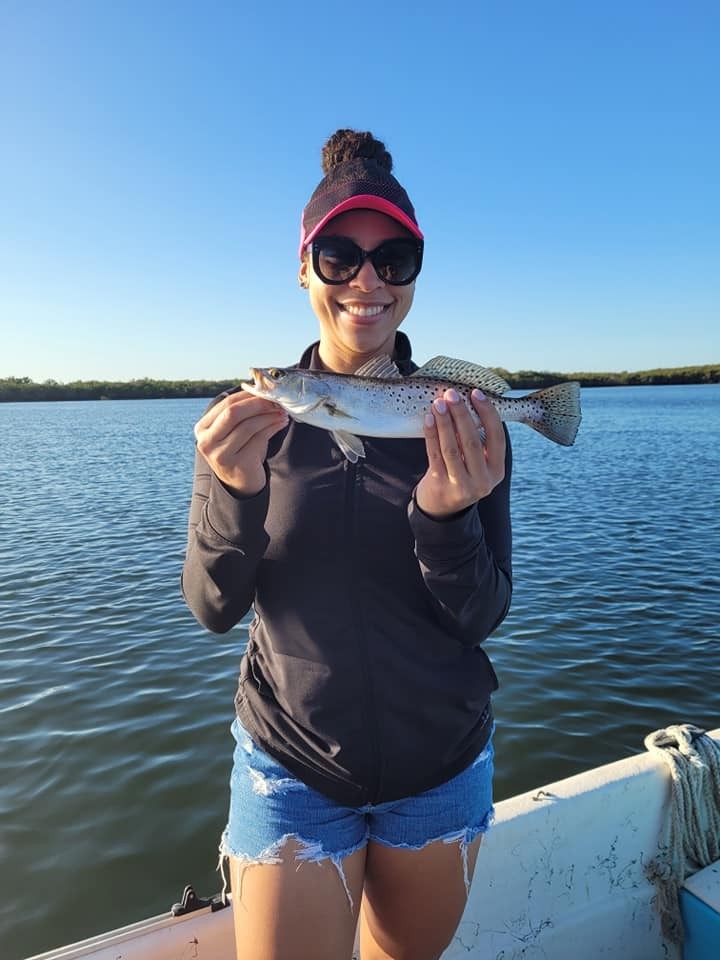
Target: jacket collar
[{"x": 402, "y": 355}]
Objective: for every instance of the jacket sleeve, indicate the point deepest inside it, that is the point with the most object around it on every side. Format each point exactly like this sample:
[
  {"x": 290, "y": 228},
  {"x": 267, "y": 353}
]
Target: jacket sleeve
[
  {"x": 226, "y": 541},
  {"x": 466, "y": 561}
]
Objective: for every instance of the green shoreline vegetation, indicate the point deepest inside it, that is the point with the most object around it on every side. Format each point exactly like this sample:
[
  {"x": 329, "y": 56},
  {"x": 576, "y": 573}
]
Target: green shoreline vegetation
[{"x": 14, "y": 389}]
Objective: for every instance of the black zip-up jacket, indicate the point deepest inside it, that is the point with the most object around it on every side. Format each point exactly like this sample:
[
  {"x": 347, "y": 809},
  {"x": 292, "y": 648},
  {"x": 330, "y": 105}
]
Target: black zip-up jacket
[{"x": 363, "y": 674}]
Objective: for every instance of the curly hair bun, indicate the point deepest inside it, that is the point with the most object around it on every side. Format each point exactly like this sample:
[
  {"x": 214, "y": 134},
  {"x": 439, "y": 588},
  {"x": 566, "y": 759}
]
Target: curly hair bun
[{"x": 350, "y": 145}]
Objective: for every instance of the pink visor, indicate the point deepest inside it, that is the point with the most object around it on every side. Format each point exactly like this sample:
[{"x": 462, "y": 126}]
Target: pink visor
[{"x": 364, "y": 201}]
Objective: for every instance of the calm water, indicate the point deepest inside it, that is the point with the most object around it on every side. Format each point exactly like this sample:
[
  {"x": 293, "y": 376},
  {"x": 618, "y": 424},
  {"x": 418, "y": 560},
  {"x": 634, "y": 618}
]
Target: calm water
[{"x": 115, "y": 704}]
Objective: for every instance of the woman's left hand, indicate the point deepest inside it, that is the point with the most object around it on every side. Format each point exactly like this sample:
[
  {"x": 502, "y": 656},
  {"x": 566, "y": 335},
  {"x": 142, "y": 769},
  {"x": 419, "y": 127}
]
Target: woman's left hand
[{"x": 461, "y": 468}]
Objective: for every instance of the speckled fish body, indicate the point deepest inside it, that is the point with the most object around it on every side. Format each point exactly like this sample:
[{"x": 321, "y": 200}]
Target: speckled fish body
[{"x": 377, "y": 401}]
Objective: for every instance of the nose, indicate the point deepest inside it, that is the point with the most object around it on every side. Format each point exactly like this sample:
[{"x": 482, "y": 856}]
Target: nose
[{"x": 367, "y": 280}]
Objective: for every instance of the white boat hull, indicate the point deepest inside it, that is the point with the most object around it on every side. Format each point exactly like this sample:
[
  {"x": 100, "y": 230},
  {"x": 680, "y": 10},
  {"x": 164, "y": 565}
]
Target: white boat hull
[{"x": 560, "y": 875}]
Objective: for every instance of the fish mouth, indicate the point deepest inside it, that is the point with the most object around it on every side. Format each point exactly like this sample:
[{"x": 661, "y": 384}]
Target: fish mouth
[{"x": 259, "y": 383}]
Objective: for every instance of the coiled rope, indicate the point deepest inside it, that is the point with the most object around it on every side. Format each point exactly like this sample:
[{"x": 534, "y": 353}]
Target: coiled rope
[{"x": 691, "y": 838}]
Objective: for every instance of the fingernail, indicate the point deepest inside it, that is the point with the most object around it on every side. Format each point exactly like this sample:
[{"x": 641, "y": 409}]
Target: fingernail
[
  {"x": 478, "y": 394},
  {"x": 440, "y": 405},
  {"x": 429, "y": 420},
  {"x": 453, "y": 396}
]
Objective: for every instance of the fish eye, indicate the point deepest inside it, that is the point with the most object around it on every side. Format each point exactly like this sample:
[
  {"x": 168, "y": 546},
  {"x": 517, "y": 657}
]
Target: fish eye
[{"x": 275, "y": 373}]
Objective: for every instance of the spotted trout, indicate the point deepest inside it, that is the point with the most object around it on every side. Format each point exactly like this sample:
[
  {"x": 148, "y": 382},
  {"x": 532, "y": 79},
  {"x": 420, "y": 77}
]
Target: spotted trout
[{"x": 377, "y": 401}]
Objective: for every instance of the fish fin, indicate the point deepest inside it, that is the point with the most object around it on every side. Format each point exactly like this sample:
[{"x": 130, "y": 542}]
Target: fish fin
[
  {"x": 334, "y": 410},
  {"x": 301, "y": 409},
  {"x": 382, "y": 368},
  {"x": 561, "y": 412},
  {"x": 460, "y": 371},
  {"x": 351, "y": 446}
]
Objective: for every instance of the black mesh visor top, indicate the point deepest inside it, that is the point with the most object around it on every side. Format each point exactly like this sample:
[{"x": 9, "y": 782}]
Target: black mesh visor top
[{"x": 351, "y": 179}]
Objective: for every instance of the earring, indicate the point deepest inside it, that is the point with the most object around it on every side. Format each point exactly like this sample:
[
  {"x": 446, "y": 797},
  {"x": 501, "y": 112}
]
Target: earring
[{"x": 303, "y": 283}]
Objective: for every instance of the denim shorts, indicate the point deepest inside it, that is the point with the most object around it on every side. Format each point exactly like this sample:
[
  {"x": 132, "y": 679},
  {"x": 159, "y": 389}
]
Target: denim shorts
[{"x": 269, "y": 806}]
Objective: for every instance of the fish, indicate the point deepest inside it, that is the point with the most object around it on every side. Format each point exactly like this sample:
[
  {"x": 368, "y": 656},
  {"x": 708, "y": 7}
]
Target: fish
[{"x": 378, "y": 401}]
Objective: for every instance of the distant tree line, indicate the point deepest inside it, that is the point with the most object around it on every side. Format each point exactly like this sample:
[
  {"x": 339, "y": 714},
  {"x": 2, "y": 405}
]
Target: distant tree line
[
  {"x": 534, "y": 379},
  {"x": 13, "y": 389},
  {"x": 23, "y": 388}
]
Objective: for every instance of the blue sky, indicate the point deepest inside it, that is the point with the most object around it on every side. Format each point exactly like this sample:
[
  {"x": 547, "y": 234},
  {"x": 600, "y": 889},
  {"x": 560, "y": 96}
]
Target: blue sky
[{"x": 563, "y": 158}]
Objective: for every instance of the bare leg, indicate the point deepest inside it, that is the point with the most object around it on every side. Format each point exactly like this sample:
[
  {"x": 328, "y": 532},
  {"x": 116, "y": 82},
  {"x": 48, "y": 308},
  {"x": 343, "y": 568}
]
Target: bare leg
[
  {"x": 414, "y": 899},
  {"x": 297, "y": 909}
]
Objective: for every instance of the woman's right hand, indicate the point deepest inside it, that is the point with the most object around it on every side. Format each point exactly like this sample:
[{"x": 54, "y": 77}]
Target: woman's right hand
[{"x": 233, "y": 437}]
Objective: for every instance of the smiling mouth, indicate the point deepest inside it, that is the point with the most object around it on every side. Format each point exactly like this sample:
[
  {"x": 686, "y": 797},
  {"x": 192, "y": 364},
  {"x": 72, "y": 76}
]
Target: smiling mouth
[{"x": 364, "y": 312}]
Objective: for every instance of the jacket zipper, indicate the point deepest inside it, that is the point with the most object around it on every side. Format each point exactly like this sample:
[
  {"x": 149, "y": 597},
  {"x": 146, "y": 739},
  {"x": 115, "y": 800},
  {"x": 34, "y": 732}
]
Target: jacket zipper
[{"x": 353, "y": 486}]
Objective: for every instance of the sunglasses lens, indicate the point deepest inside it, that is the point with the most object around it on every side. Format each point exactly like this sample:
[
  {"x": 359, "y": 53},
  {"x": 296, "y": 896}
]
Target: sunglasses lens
[
  {"x": 336, "y": 259},
  {"x": 397, "y": 261},
  {"x": 339, "y": 259}
]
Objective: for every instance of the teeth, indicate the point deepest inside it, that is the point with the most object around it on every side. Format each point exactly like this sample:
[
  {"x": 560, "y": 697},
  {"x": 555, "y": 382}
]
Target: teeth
[{"x": 363, "y": 311}]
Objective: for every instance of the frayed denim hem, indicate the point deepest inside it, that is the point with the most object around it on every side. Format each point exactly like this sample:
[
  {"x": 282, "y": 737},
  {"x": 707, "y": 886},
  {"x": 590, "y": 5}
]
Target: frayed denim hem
[{"x": 310, "y": 851}]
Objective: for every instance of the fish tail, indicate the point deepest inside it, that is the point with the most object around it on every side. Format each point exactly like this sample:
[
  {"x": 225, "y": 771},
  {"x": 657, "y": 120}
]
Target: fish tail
[{"x": 560, "y": 406}]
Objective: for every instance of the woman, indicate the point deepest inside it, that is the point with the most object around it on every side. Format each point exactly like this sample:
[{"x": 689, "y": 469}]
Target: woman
[{"x": 362, "y": 775}]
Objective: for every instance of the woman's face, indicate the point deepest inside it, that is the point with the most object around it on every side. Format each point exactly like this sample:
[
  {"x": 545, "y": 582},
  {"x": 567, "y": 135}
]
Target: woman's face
[{"x": 358, "y": 319}]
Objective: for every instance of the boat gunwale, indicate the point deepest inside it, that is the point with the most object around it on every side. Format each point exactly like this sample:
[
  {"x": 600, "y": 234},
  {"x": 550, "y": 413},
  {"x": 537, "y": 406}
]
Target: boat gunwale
[{"x": 112, "y": 938}]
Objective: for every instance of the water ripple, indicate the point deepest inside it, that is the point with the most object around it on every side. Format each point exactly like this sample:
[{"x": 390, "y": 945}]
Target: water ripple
[{"x": 115, "y": 704}]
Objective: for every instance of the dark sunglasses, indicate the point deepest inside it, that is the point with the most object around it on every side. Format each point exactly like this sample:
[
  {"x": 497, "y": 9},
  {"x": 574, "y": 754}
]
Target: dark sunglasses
[{"x": 340, "y": 260}]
